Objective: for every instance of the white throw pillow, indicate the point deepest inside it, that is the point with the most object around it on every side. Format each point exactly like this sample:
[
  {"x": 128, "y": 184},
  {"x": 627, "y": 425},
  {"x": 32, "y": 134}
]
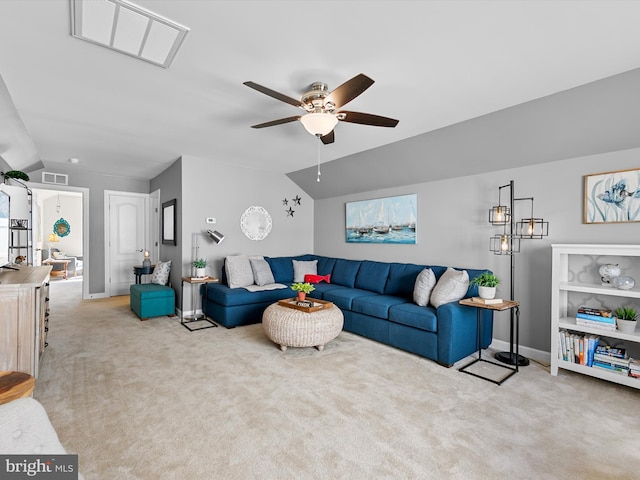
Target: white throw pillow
[
  {"x": 160, "y": 273},
  {"x": 302, "y": 268},
  {"x": 261, "y": 271},
  {"x": 451, "y": 287},
  {"x": 425, "y": 282},
  {"x": 239, "y": 272}
]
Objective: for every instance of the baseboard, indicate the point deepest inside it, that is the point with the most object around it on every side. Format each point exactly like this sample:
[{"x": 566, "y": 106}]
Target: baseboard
[{"x": 539, "y": 356}]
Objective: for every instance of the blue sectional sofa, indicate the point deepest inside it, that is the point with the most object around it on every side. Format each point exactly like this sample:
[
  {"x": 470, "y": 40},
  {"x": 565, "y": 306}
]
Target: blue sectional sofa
[{"x": 376, "y": 299}]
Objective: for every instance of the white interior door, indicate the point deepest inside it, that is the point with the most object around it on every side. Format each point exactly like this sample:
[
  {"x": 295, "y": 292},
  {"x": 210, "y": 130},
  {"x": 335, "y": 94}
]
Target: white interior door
[{"x": 128, "y": 228}]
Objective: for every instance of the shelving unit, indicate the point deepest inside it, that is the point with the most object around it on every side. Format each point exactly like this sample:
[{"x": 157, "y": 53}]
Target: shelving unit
[
  {"x": 21, "y": 237},
  {"x": 575, "y": 282}
]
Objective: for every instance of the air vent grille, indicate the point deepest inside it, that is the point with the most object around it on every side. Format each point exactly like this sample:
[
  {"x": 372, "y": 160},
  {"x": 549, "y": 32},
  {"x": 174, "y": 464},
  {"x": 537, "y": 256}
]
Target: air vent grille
[{"x": 55, "y": 178}]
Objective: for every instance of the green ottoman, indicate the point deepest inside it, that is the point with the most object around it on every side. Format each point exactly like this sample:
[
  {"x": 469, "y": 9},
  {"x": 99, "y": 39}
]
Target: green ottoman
[{"x": 150, "y": 300}]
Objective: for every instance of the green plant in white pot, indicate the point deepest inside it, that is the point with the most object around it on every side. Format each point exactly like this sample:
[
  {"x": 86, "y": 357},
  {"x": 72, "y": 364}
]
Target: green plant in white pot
[
  {"x": 626, "y": 319},
  {"x": 303, "y": 288},
  {"x": 487, "y": 284},
  {"x": 200, "y": 265}
]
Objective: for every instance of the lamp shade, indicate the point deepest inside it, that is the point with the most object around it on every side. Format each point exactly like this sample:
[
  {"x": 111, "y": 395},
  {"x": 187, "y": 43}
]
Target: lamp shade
[
  {"x": 319, "y": 123},
  {"x": 216, "y": 236},
  {"x": 53, "y": 238}
]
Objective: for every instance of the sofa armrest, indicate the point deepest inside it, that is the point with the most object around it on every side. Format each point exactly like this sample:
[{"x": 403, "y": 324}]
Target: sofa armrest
[{"x": 457, "y": 331}]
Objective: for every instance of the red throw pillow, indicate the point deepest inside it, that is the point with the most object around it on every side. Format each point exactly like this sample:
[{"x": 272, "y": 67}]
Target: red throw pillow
[{"x": 310, "y": 278}]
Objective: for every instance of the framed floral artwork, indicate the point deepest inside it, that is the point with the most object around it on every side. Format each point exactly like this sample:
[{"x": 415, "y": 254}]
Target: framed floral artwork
[{"x": 612, "y": 197}]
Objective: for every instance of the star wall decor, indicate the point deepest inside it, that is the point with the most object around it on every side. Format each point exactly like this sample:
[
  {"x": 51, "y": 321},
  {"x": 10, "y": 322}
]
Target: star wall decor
[
  {"x": 285, "y": 202},
  {"x": 296, "y": 200},
  {"x": 290, "y": 212}
]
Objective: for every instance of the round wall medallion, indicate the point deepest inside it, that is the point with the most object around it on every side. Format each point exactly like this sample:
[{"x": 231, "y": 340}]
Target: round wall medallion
[
  {"x": 255, "y": 223},
  {"x": 62, "y": 228}
]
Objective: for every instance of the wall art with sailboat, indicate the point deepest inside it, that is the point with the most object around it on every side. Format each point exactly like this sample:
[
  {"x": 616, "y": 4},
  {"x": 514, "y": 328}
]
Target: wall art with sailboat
[{"x": 382, "y": 220}]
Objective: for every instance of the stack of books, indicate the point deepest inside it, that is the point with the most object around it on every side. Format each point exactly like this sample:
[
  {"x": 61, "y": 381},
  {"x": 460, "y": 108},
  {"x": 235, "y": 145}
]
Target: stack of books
[
  {"x": 634, "y": 368},
  {"x": 614, "y": 360},
  {"x": 574, "y": 348},
  {"x": 600, "y": 318}
]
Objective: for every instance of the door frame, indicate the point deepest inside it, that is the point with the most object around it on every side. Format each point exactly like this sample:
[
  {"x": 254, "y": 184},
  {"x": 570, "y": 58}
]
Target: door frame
[{"x": 149, "y": 236}]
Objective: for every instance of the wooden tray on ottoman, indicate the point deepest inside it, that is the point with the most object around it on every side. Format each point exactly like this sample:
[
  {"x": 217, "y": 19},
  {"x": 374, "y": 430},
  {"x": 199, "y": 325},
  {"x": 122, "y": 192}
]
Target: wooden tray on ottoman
[{"x": 317, "y": 304}]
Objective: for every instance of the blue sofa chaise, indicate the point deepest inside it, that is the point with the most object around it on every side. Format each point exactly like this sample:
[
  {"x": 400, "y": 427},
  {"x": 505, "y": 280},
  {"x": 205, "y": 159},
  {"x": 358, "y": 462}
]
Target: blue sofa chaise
[{"x": 376, "y": 299}]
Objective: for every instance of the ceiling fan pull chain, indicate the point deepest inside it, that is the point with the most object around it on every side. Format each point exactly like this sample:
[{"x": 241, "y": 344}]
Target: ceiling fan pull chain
[{"x": 318, "y": 177}]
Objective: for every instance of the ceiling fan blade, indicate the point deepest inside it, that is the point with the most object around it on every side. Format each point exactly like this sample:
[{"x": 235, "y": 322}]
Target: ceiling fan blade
[
  {"x": 328, "y": 138},
  {"x": 366, "y": 119},
  {"x": 348, "y": 90},
  {"x": 276, "y": 122},
  {"x": 274, "y": 94}
]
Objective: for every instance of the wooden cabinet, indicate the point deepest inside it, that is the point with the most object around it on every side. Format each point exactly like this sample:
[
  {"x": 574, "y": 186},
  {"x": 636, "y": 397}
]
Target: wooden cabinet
[
  {"x": 24, "y": 303},
  {"x": 575, "y": 282}
]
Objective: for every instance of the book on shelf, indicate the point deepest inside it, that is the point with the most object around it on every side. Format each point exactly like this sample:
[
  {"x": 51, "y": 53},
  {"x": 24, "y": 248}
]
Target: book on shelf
[
  {"x": 623, "y": 362},
  {"x": 487, "y": 301},
  {"x": 601, "y": 312},
  {"x": 611, "y": 351},
  {"x": 575, "y": 348},
  {"x": 611, "y": 368},
  {"x": 593, "y": 324},
  {"x": 596, "y": 318}
]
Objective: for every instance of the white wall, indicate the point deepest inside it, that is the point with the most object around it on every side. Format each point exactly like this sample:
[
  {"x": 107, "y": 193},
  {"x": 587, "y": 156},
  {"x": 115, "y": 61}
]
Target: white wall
[
  {"x": 453, "y": 229},
  {"x": 71, "y": 211},
  {"x": 212, "y": 188}
]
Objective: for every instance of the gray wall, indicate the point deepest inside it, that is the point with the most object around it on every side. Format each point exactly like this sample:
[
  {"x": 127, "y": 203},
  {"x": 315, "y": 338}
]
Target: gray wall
[
  {"x": 212, "y": 188},
  {"x": 169, "y": 183},
  {"x": 453, "y": 229},
  {"x": 96, "y": 183}
]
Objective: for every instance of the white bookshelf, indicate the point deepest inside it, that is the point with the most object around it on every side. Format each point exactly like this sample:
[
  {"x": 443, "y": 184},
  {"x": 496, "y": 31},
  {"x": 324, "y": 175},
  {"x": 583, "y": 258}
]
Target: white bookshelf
[{"x": 575, "y": 281}]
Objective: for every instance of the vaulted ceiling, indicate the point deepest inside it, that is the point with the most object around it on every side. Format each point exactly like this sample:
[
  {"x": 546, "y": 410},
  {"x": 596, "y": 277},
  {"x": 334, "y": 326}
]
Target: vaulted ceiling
[{"x": 435, "y": 64}]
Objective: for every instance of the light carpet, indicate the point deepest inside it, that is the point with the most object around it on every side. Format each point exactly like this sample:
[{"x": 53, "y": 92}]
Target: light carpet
[{"x": 151, "y": 400}]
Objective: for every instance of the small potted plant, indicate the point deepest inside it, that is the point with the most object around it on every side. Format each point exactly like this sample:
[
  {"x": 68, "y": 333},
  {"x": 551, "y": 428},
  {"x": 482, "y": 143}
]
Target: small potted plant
[
  {"x": 303, "y": 288},
  {"x": 487, "y": 284},
  {"x": 626, "y": 319},
  {"x": 200, "y": 266}
]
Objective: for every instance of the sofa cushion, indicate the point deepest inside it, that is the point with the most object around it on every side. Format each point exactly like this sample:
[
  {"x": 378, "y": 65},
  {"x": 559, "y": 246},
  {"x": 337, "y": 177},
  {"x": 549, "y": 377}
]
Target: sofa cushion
[
  {"x": 325, "y": 265},
  {"x": 229, "y": 297},
  {"x": 282, "y": 268},
  {"x": 239, "y": 272},
  {"x": 376, "y": 305},
  {"x": 345, "y": 271},
  {"x": 261, "y": 271},
  {"x": 343, "y": 297},
  {"x": 301, "y": 268},
  {"x": 402, "y": 279},
  {"x": 424, "y": 285},
  {"x": 321, "y": 288},
  {"x": 451, "y": 287},
  {"x": 160, "y": 275},
  {"x": 412, "y": 315},
  {"x": 372, "y": 276}
]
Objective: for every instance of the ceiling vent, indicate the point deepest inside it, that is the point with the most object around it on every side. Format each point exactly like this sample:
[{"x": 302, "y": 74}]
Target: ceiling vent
[
  {"x": 55, "y": 178},
  {"x": 127, "y": 28}
]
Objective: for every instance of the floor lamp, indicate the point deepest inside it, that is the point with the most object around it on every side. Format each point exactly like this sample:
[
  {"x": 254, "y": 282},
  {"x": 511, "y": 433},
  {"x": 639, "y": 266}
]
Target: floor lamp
[{"x": 508, "y": 243}]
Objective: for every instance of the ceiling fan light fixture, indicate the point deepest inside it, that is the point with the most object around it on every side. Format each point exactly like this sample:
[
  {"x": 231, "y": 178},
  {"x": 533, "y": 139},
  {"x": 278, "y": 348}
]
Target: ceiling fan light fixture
[{"x": 318, "y": 123}]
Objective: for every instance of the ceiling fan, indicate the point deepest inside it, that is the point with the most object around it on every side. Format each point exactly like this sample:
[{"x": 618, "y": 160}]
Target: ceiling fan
[{"x": 322, "y": 107}]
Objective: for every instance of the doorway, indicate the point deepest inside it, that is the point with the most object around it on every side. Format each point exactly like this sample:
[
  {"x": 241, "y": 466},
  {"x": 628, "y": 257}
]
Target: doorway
[{"x": 60, "y": 233}]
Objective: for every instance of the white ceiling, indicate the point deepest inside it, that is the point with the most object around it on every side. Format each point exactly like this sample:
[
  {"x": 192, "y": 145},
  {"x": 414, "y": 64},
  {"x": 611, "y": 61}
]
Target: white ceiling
[{"x": 435, "y": 63}]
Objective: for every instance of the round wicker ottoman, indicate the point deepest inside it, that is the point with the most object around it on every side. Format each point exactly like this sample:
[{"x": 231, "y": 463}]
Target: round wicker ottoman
[{"x": 289, "y": 327}]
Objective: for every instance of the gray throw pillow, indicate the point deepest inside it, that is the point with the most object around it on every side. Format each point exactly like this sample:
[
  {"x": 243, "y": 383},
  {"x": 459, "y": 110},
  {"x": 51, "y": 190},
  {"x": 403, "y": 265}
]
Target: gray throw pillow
[
  {"x": 261, "y": 271},
  {"x": 161, "y": 272},
  {"x": 451, "y": 287},
  {"x": 425, "y": 282},
  {"x": 302, "y": 268},
  {"x": 239, "y": 272}
]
